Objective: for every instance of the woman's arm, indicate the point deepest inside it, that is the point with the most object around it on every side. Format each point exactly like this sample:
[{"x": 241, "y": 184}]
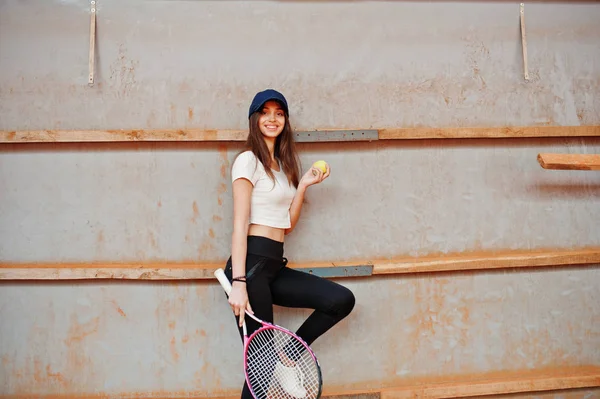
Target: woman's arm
[
  {"x": 238, "y": 299},
  {"x": 296, "y": 207},
  {"x": 312, "y": 176}
]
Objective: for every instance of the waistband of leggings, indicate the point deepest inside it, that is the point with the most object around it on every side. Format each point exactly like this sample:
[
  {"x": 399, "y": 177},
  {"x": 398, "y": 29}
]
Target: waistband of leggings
[{"x": 263, "y": 246}]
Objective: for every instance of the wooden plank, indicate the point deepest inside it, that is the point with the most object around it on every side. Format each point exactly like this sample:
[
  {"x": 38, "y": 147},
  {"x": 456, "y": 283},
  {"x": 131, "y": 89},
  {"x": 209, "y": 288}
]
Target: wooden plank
[
  {"x": 489, "y": 132},
  {"x": 490, "y": 384},
  {"x": 486, "y": 261},
  {"x": 99, "y": 272},
  {"x": 124, "y": 135},
  {"x": 569, "y": 161},
  {"x": 77, "y": 136},
  {"x": 499, "y": 383},
  {"x": 192, "y": 271}
]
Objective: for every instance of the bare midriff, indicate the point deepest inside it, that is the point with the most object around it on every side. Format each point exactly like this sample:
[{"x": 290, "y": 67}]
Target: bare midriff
[{"x": 266, "y": 231}]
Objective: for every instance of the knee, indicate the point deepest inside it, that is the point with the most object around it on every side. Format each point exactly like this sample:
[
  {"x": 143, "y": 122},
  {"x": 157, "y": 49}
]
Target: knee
[{"x": 344, "y": 301}]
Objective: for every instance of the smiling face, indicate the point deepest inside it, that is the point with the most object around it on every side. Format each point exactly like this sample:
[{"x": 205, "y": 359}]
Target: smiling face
[{"x": 272, "y": 119}]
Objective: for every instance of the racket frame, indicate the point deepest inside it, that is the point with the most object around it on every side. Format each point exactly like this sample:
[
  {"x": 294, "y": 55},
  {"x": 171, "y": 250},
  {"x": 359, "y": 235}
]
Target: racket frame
[{"x": 224, "y": 281}]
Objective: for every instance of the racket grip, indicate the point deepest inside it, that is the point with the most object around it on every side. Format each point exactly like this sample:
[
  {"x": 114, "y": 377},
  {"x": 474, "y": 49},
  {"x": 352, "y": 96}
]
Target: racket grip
[{"x": 220, "y": 275}]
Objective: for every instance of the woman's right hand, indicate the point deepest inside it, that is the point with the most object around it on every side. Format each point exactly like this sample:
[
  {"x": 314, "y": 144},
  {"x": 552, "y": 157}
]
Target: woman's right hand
[{"x": 238, "y": 300}]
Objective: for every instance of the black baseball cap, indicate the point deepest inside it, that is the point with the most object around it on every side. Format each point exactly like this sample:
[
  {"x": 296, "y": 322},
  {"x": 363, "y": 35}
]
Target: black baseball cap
[{"x": 267, "y": 95}]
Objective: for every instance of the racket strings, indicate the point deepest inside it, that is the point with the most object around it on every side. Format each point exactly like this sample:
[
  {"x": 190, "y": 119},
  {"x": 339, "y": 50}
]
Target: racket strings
[{"x": 279, "y": 366}]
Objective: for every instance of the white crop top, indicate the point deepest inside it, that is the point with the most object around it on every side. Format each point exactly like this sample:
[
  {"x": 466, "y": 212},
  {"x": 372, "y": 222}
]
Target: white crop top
[{"x": 270, "y": 203}]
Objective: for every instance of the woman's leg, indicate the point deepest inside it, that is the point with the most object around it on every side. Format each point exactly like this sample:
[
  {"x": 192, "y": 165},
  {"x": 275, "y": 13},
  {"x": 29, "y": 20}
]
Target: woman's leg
[
  {"x": 331, "y": 301},
  {"x": 259, "y": 296}
]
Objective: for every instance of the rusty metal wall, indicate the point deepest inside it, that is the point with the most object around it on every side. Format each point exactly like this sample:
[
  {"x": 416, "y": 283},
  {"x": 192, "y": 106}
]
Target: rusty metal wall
[{"x": 171, "y": 64}]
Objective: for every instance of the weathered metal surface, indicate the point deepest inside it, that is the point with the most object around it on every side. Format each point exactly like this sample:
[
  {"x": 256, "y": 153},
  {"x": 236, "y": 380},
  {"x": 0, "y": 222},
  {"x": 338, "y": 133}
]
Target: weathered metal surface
[
  {"x": 389, "y": 73},
  {"x": 181, "y": 337},
  {"x": 185, "y": 64}
]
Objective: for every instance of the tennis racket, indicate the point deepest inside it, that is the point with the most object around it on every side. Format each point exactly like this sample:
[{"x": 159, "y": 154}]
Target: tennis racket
[{"x": 277, "y": 363}]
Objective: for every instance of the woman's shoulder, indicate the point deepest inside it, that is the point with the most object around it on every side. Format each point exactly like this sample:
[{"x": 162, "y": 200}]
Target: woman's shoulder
[
  {"x": 245, "y": 158},
  {"x": 247, "y": 154}
]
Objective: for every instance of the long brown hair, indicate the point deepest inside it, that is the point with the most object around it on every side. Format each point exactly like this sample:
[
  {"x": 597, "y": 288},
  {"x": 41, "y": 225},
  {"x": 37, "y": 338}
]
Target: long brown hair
[{"x": 285, "y": 149}]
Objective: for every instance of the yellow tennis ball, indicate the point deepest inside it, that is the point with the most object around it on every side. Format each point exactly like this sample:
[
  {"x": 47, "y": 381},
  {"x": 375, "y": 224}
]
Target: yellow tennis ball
[{"x": 321, "y": 165}]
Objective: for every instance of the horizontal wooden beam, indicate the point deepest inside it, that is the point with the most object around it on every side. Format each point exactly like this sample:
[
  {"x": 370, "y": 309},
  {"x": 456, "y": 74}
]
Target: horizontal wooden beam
[
  {"x": 406, "y": 265},
  {"x": 487, "y": 261},
  {"x": 500, "y": 383},
  {"x": 153, "y": 135},
  {"x": 91, "y": 136},
  {"x": 489, "y": 132},
  {"x": 569, "y": 161},
  {"x": 490, "y": 384}
]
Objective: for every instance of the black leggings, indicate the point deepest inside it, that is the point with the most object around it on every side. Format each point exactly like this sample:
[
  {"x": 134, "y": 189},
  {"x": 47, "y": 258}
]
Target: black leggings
[{"x": 270, "y": 282}]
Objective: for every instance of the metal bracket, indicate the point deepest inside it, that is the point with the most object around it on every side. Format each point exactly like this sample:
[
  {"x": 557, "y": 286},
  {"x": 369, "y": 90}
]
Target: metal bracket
[
  {"x": 92, "y": 42},
  {"x": 524, "y": 42},
  {"x": 336, "y": 135},
  {"x": 340, "y": 271}
]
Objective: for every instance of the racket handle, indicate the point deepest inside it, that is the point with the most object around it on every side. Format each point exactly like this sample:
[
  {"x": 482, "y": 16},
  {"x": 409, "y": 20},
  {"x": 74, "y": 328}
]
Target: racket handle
[{"x": 220, "y": 275}]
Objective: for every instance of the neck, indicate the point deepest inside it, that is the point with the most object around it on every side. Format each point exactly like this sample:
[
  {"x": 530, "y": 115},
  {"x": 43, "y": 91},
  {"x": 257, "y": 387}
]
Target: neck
[{"x": 271, "y": 146}]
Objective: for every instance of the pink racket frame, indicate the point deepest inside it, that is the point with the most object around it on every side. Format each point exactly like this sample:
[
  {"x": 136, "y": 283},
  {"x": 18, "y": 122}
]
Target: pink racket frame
[
  {"x": 220, "y": 275},
  {"x": 268, "y": 326}
]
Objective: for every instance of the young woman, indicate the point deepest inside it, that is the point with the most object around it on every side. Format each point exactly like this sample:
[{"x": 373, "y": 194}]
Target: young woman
[{"x": 268, "y": 193}]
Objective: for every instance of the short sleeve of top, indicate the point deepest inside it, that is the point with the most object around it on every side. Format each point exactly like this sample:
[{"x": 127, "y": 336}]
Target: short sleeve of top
[{"x": 246, "y": 166}]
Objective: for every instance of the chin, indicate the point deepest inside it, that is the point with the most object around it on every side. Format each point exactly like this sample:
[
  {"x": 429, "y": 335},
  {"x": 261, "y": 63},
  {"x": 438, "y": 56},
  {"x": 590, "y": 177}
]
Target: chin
[{"x": 270, "y": 134}]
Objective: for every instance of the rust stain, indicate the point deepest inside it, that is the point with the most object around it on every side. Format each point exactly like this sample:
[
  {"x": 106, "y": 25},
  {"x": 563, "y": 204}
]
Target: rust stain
[
  {"x": 135, "y": 135},
  {"x": 159, "y": 203},
  {"x": 100, "y": 237},
  {"x": 37, "y": 371},
  {"x": 196, "y": 212},
  {"x": 190, "y": 113},
  {"x": 172, "y": 325},
  {"x": 174, "y": 352},
  {"x": 217, "y": 218},
  {"x": 224, "y": 168},
  {"x": 153, "y": 242},
  {"x": 78, "y": 332},
  {"x": 210, "y": 134},
  {"x": 211, "y": 233},
  {"x": 76, "y": 359},
  {"x": 11, "y": 135},
  {"x": 202, "y": 333},
  {"x": 58, "y": 377},
  {"x": 122, "y": 73},
  {"x": 118, "y": 308},
  {"x": 173, "y": 113},
  {"x": 185, "y": 339},
  {"x": 205, "y": 247},
  {"x": 224, "y": 161}
]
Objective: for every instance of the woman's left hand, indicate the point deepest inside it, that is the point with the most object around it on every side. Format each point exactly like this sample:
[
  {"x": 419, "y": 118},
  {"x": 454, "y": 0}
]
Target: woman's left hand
[{"x": 314, "y": 176}]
